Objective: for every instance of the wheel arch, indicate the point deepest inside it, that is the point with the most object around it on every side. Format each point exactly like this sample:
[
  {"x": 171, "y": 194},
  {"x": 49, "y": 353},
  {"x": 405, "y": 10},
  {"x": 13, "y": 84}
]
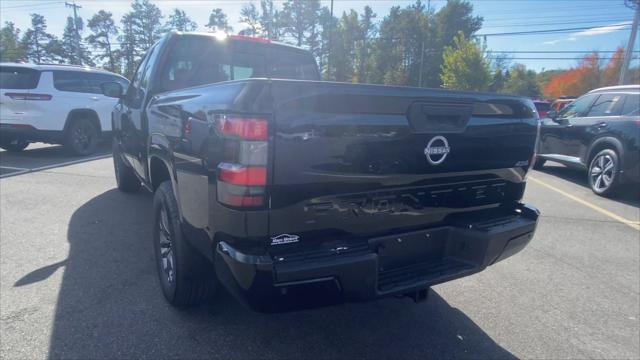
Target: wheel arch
[
  {"x": 160, "y": 164},
  {"x": 88, "y": 114},
  {"x": 606, "y": 142}
]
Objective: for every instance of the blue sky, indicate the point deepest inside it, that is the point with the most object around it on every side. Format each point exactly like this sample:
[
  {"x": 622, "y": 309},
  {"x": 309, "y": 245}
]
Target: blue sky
[{"x": 605, "y": 22}]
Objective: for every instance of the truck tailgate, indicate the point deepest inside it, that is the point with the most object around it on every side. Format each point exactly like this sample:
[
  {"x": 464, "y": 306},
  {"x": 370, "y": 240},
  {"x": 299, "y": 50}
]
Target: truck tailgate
[{"x": 353, "y": 161}]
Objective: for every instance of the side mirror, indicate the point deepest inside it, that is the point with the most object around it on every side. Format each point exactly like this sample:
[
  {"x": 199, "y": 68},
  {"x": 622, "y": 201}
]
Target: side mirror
[{"x": 112, "y": 89}]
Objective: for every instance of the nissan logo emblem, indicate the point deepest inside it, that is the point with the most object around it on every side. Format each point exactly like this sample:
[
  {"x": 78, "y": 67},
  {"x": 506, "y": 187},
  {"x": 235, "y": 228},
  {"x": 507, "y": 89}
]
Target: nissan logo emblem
[{"x": 437, "y": 150}]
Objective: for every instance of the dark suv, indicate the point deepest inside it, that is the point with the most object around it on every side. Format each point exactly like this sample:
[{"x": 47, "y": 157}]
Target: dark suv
[{"x": 598, "y": 132}]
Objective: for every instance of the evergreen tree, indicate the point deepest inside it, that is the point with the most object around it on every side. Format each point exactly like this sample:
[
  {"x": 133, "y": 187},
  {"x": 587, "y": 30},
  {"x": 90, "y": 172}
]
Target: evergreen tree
[
  {"x": 270, "y": 20},
  {"x": 251, "y": 18},
  {"x": 299, "y": 19},
  {"x": 218, "y": 21},
  {"x": 180, "y": 21},
  {"x": 73, "y": 51},
  {"x": 103, "y": 29},
  {"x": 35, "y": 39},
  {"x": 10, "y": 48},
  {"x": 145, "y": 20},
  {"x": 128, "y": 52},
  {"x": 464, "y": 67}
]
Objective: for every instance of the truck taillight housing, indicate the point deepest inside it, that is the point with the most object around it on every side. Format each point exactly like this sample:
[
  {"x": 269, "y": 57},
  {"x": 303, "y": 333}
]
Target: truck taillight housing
[{"x": 242, "y": 176}]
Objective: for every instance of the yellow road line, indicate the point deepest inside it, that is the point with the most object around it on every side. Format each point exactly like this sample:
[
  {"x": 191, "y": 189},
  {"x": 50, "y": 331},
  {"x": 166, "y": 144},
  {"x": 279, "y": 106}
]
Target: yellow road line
[{"x": 633, "y": 224}]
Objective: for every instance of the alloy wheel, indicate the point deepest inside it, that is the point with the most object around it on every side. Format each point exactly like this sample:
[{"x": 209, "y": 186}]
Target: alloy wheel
[
  {"x": 602, "y": 172},
  {"x": 167, "y": 257}
]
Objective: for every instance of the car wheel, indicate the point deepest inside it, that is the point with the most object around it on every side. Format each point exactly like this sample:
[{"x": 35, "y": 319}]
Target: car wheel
[
  {"x": 186, "y": 277},
  {"x": 603, "y": 172},
  {"x": 15, "y": 145},
  {"x": 126, "y": 179},
  {"x": 539, "y": 164},
  {"x": 82, "y": 137}
]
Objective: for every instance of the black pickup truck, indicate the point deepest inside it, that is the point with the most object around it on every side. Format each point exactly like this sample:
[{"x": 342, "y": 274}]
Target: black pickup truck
[{"x": 288, "y": 190}]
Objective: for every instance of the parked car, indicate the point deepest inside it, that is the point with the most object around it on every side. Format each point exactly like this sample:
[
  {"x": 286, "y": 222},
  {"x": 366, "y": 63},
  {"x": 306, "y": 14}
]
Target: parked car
[
  {"x": 543, "y": 107},
  {"x": 279, "y": 186},
  {"x": 600, "y": 133},
  {"x": 56, "y": 104}
]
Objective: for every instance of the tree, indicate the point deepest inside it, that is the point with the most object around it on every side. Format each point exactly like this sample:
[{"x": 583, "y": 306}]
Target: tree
[
  {"x": 522, "y": 82},
  {"x": 180, "y": 21},
  {"x": 218, "y": 21},
  {"x": 36, "y": 38},
  {"x": 10, "y": 48},
  {"x": 249, "y": 16},
  {"x": 576, "y": 81},
  {"x": 611, "y": 73},
  {"x": 145, "y": 21},
  {"x": 269, "y": 20},
  {"x": 299, "y": 19},
  {"x": 103, "y": 29},
  {"x": 367, "y": 30},
  {"x": 128, "y": 51},
  {"x": 464, "y": 67},
  {"x": 73, "y": 52}
]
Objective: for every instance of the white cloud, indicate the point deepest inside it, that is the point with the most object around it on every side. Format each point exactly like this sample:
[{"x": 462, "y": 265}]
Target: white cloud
[
  {"x": 599, "y": 30},
  {"x": 603, "y": 29}
]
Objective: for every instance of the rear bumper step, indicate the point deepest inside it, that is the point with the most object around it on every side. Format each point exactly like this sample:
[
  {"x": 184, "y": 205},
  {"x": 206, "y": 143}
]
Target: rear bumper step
[{"x": 377, "y": 267}]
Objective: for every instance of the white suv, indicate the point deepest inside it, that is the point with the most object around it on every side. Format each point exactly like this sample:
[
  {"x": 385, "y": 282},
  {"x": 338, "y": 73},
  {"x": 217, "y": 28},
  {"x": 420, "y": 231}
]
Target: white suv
[{"x": 57, "y": 104}]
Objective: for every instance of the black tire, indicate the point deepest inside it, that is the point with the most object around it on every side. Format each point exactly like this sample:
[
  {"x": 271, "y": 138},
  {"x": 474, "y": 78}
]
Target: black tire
[
  {"x": 603, "y": 173},
  {"x": 14, "y": 145},
  {"x": 186, "y": 277},
  {"x": 81, "y": 137},
  {"x": 539, "y": 164},
  {"x": 125, "y": 177}
]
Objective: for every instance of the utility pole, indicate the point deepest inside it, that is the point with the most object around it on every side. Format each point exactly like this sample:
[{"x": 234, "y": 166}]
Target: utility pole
[
  {"x": 629, "y": 50},
  {"x": 75, "y": 26}
]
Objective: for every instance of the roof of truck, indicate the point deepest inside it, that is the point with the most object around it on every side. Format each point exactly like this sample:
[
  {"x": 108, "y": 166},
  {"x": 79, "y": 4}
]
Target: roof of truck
[
  {"x": 49, "y": 67},
  {"x": 223, "y": 36}
]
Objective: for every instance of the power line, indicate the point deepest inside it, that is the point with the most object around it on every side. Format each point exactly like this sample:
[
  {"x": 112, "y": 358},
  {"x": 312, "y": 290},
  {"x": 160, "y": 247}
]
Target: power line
[
  {"x": 31, "y": 5},
  {"x": 552, "y": 31},
  {"x": 553, "y": 23}
]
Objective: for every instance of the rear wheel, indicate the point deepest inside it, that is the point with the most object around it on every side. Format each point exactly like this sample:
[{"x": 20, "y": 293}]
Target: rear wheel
[
  {"x": 186, "y": 277},
  {"x": 603, "y": 173},
  {"x": 125, "y": 177},
  {"x": 82, "y": 137},
  {"x": 14, "y": 145}
]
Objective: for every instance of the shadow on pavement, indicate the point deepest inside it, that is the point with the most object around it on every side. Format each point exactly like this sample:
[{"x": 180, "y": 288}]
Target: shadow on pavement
[
  {"x": 110, "y": 306},
  {"x": 40, "y": 157},
  {"x": 630, "y": 195}
]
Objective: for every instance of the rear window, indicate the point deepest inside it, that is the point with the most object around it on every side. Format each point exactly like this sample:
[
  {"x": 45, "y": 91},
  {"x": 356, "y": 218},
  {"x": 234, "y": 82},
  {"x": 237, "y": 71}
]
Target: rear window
[
  {"x": 83, "y": 82},
  {"x": 287, "y": 64},
  {"x": 18, "y": 78},
  {"x": 200, "y": 60}
]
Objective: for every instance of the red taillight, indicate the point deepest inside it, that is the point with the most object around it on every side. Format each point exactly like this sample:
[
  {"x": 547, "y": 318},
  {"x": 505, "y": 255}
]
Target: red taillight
[
  {"x": 250, "y": 38},
  {"x": 27, "y": 96},
  {"x": 21, "y": 126},
  {"x": 242, "y": 176},
  {"x": 245, "y": 128}
]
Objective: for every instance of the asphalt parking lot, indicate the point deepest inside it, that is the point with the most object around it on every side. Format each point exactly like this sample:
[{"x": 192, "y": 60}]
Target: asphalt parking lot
[{"x": 77, "y": 281}]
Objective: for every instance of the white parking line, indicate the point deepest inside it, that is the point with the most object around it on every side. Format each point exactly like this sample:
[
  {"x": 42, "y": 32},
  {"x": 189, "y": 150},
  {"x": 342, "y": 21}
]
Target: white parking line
[{"x": 51, "y": 166}]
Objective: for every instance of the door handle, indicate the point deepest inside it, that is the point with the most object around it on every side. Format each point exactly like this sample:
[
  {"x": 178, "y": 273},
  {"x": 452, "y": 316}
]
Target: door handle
[
  {"x": 94, "y": 98},
  {"x": 601, "y": 125}
]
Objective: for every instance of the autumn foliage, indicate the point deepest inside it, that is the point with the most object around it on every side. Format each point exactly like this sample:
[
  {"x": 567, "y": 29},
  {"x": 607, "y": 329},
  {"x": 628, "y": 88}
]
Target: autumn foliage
[{"x": 590, "y": 73}]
